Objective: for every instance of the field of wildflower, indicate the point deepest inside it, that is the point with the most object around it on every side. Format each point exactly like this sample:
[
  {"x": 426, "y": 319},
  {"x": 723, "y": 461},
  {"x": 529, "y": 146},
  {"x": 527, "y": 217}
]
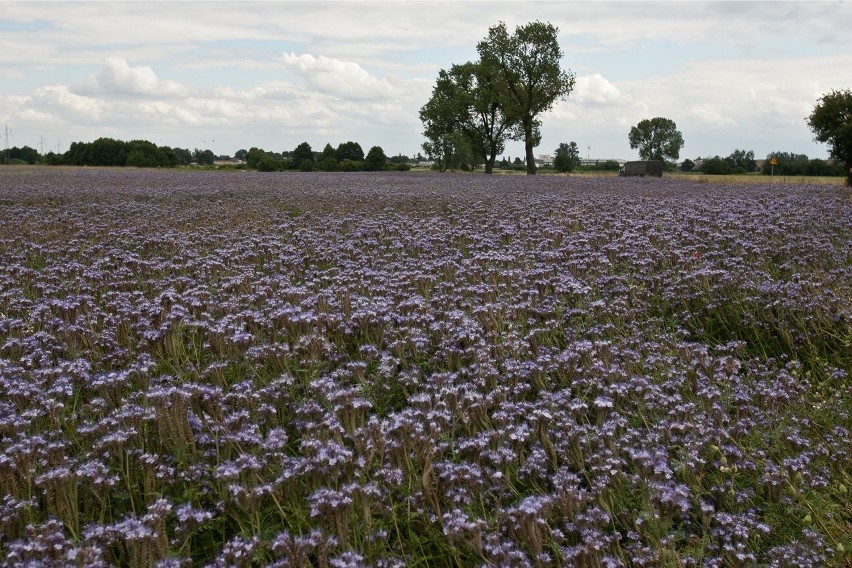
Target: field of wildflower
[{"x": 236, "y": 369}]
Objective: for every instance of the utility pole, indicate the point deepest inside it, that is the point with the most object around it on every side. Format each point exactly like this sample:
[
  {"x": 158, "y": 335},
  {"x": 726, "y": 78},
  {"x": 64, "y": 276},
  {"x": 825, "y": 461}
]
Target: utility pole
[
  {"x": 7, "y": 133},
  {"x": 41, "y": 146}
]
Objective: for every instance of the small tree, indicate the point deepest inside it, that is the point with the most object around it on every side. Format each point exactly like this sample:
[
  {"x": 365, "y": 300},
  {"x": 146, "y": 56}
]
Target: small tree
[
  {"x": 301, "y": 154},
  {"x": 327, "y": 161},
  {"x": 831, "y": 122},
  {"x": 742, "y": 160},
  {"x": 204, "y": 157},
  {"x": 657, "y": 139},
  {"x": 349, "y": 151},
  {"x": 375, "y": 160},
  {"x": 687, "y": 165},
  {"x": 183, "y": 156},
  {"x": 715, "y": 166},
  {"x": 566, "y": 158},
  {"x": 254, "y": 157}
]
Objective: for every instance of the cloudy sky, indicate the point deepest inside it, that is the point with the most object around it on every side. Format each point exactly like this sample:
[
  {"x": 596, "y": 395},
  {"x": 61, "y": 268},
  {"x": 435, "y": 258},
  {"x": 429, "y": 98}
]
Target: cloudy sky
[{"x": 231, "y": 75}]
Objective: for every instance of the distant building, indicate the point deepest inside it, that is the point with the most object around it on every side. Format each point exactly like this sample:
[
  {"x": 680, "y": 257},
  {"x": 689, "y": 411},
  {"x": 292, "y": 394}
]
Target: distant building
[{"x": 598, "y": 161}]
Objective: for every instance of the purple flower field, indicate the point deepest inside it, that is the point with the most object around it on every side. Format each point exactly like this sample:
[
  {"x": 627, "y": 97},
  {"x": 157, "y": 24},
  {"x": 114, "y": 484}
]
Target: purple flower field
[{"x": 235, "y": 369}]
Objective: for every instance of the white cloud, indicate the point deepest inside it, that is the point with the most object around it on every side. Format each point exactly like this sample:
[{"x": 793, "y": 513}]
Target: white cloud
[
  {"x": 61, "y": 102},
  {"x": 117, "y": 77},
  {"x": 344, "y": 79},
  {"x": 597, "y": 90}
]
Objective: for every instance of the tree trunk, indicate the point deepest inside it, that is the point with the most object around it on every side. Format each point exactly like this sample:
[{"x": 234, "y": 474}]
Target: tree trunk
[
  {"x": 529, "y": 141},
  {"x": 489, "y": 164},
  {"x": 531, "y": 169}
]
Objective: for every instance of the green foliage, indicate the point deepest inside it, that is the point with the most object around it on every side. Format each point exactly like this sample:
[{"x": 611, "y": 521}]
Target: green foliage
[
  {"x": 531, "y": 79},
  {"x": 301, "y": 154},
  {"x": 831, "y": 122},
  {"x": 328, "y": 152},
  {"x": 254, "y": 157},
  {"x": 53, "y": 159},
  {"x": 269, "y": 164},
  {"x": 183, "y": 156},
  {"x": 603, "y": 166},
  {"x": 136, "y": 153},
  {"x": 687, "y": 165},
  {"x": 466, "y": 99},
  {"x": 817, "y": 167},
  {"x": 657, "y": 139},
  {"x": 101, "y": 152},
  {"x": 715, "y": 166},
  {"x": 204, "y": 157},
  {"x": 327, "y": 164},
  {"x": 145, "y": 154},
  {"x": 566, "y": 158},
  {"x": 264, "y": 161},
  {"x": 349, "y": 151},
  {"x": 351, "y": 165},
  {"x": 450, "y": 151},
  {"x": 789, "y": 164},
  {"x": 24, "y": 155},
  {"x": 741, "y": 161},
  {"x": 375, "y": 160}
]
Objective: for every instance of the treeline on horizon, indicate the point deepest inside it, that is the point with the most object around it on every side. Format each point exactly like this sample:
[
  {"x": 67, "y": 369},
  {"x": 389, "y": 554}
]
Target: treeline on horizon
[
  {"x": 349, "y": 156},
  {"x": 743, "y": 162}
]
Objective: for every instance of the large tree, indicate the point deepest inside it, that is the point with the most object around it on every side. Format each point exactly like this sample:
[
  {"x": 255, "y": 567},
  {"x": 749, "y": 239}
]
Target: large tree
[
  {"x": 657, "y": 139},
  {"x": 831, "y": 122},
  {"x": 532, "y": 79},
  {"x": 466, "y": 99}
]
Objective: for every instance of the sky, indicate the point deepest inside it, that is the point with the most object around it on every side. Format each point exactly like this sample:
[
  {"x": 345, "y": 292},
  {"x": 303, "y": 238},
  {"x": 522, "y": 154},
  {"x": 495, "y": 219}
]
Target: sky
[{"x": 231, "y": 75}]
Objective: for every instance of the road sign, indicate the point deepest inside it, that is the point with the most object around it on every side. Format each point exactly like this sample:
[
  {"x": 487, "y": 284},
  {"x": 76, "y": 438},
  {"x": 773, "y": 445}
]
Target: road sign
[{"x": 773, "y": 161}]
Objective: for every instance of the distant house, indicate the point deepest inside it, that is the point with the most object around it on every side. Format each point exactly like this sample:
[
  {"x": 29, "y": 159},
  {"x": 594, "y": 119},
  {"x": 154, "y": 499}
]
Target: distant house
[{"x": 598, "y": 161}]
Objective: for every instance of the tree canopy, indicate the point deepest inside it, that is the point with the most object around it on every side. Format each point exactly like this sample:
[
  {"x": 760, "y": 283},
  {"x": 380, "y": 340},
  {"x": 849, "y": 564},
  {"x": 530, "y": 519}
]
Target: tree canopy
[
  {"x": 375, "y": 160},
  {"x": 466, "y": 99},
  {"x": 657, "y": 139},
  {"x": 349, "y": 151},
  {"x": 831, "y": 122},
  {"x": 449, "y": 151},
  {"x": 302, "y": 153},
  {"x": 567, "y": 157},
  {"x": 531, "y": 77}
]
